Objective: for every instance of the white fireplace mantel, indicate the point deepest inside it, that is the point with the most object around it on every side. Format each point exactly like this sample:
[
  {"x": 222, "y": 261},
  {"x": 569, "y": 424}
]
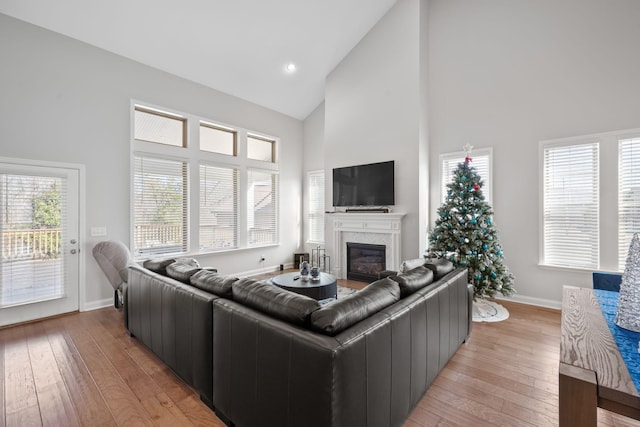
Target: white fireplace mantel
[{"x": 367, "y": 227}]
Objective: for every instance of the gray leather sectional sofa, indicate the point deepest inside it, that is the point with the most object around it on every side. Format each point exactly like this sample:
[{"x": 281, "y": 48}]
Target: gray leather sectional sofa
[{"x": 263, "y": 356}]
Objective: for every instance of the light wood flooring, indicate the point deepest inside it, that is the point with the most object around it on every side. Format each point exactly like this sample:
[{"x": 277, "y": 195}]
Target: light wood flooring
[{"x": 83, "y": 369}]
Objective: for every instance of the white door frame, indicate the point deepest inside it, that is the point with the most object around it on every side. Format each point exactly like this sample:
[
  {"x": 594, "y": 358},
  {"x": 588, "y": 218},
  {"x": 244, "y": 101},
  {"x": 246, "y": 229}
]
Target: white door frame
[{"x": 83, "y": 248}]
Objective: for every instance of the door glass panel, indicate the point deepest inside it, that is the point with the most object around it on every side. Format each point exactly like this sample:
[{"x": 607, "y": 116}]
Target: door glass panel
[{"x": 32, "y": 238}]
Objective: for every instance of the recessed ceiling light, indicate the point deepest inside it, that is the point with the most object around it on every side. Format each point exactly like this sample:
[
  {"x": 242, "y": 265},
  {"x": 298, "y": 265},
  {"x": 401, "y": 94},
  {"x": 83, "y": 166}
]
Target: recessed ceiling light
[{"x": 290, "y": 67}]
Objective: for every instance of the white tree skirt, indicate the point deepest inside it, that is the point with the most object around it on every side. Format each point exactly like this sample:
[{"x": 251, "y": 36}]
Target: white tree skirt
[{"x": 489, "y": 311}]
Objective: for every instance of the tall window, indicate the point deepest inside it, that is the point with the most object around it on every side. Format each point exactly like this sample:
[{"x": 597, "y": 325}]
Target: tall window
[
  {"x": 160, "y": 206},
  {"x": 628, "y": 195},
  {"x": 192, "y": 192},
  {"x": 316, "y": 207},
  {"x": 218, "y": 207},
  {"x": 262, "y": 202},
  {"x": 481, "y": 161},
  {"x": 571, "y": 205}
]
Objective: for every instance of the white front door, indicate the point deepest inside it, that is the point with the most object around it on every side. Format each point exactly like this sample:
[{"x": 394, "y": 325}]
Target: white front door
[{"x": 39, "y": 261}]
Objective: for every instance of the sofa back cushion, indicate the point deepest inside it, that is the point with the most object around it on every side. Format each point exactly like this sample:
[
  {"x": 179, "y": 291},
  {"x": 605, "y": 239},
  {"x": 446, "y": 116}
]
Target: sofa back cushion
[
  {"x": 274, "y": 301},
  {"x": 214, "y": 283},
  {"x": 439, "y": 266},
  {"x": 413, "y": 280},
  {"x": 410, "y": 264},
  {"x": 341, "y": 314},
  {"x": 158, "y": 265},
  {"x": 181, "y": 272}
]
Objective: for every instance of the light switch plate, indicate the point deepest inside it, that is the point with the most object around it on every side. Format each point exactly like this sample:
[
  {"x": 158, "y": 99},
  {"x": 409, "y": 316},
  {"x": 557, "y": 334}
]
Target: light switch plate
[{"x": 98, "y": 231}]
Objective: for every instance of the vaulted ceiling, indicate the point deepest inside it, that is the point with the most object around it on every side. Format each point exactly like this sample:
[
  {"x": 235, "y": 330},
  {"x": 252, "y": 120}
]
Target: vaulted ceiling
[{"x": 240, "y": 47}]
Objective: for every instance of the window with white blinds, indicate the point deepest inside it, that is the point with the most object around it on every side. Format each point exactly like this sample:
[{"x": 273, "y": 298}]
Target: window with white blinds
[
  {"x": 481, "y": 161},
  {"x": 218, "y": 207},
  {"x": 160, "y": 206},
  {"x": 262, "y": 203},
  {"x": 32, "y": 238},
  {"x": 316, "y": 206},
  {"x": 628, "y": 195},
  {"x": 205, "y": 194},
  {"x": 571, "y": 205}
]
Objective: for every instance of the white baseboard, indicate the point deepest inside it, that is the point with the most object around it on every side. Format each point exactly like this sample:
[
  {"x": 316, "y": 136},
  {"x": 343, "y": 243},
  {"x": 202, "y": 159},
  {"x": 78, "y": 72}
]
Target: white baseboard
[
  {"x": 540, "y": 302},
  {"x": 95, "y": 305}
]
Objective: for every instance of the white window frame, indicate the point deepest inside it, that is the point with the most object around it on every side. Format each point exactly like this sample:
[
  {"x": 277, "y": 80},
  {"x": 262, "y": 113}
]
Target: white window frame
[
  {"x": 624, "y": 235},
  {"x": 612, "y": 256},
  {"x": 315, "y": 215},
  {"x": 192, "y": 154},
  {"x": 458, "y": 157},
  {"x": 593, "y": 247}
]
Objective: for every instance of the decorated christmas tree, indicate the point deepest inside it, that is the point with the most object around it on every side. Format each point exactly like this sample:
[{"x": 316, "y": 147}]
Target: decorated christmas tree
[{"x": 465, "y": 234}]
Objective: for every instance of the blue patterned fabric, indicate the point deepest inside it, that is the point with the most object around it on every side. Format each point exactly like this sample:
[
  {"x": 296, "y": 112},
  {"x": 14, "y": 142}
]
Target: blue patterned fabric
[{"x": 626, "y": 340}]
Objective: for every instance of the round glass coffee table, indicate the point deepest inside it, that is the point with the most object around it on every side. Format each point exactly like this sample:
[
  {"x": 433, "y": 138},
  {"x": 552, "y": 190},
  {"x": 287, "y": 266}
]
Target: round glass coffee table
[{"x": 325, "y": 287}]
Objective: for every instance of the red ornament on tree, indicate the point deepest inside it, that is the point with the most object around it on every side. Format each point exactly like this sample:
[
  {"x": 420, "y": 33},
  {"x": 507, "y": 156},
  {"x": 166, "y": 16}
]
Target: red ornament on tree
[{"x": 476, "y": 187}]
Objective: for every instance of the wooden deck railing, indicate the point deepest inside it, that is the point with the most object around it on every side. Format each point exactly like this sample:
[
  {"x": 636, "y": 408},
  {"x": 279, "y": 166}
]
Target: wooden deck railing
[{"x": 30, "y": 244}]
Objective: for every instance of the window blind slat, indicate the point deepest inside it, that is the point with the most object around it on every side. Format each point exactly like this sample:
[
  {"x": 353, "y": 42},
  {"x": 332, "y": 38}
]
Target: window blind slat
[
  {"x": 481, "y": 162},
  {"x": 570, "y": 205},
  {"x": 262, "y": 203},
  {"x": 160, "y": 205},
  {"x": 316, "y": 207},
  {"x": 218, "y": 207},
  {"x": 628, "y": 195},
  {"x": 33, "y": 236}
]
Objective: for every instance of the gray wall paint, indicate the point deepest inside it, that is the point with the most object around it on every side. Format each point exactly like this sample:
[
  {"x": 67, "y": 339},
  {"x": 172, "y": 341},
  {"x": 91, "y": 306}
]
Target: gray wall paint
[
  {"x": 509, "y": 74},
  {"x": 313, "y": 160},
  {"x": 372, "y": 113},
  {"x": 65, "y": 101}
]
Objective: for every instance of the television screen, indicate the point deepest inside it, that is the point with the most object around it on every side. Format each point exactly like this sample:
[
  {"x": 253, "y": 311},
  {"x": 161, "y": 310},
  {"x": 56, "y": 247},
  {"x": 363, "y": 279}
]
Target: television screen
[{"x": 364, "y": 185}]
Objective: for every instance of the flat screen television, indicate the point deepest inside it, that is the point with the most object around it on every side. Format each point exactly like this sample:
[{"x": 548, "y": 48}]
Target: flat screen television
[{"x": 364, "y": 185}]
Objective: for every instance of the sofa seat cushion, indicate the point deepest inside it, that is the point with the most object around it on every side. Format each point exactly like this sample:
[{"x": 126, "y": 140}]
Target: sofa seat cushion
[
  {"x": 214, "y": 283},
  {"x": 413, "y": 280},
  {"x": 158, "y": 265},
  {"x": 440, "y": 267},
  {"x": 181, "y": 272},
  {"x": 274, "y": 301},
  {"x": 336, "y": 317}
]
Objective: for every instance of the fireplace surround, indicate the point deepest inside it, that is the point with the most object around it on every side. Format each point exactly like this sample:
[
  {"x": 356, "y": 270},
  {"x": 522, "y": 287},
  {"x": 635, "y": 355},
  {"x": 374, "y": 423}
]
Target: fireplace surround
[{"x": 366, "y": 227}]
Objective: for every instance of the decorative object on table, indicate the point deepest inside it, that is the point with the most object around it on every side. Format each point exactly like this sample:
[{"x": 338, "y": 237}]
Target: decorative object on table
[
  {"x": 319, "y": 258},
  {"x": 488, "y": 311},
  {"x": 298, "y": 258},
  {"x": 315, "y": 273},
  {"x": 628, "y": 314},
  {"x": 464, "y": 233},
  {"x": 304, "y": 271}
]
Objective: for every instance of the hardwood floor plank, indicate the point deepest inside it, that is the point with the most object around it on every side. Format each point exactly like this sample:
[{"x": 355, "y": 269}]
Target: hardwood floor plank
[
  {"x": 124, "y": 406},
  {"x": 56, "y": 408},
  {"x": 21, "y": 401},
  {"x": 87, "y": 398}
]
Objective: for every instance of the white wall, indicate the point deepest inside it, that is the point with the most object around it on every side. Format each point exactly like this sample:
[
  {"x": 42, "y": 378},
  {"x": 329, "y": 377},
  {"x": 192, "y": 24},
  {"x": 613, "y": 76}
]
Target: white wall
[
  {"x": 65, "y": 101},
  {"x": 372, "y": 114},
  {"x": 313, "y": 160},
  {"x": 507, "y": 75}
]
